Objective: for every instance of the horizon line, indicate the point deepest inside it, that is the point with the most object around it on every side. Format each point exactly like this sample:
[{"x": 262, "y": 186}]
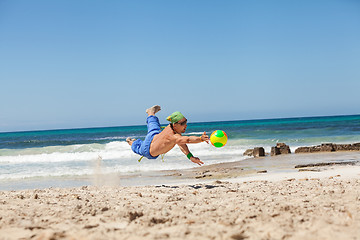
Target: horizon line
[{"x": 254, "y": 119}]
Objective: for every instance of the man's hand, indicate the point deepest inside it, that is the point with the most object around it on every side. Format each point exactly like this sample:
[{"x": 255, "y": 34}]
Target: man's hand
[
  {"x": 205, "y": 138},
  {"x": 196, "y": 160}
]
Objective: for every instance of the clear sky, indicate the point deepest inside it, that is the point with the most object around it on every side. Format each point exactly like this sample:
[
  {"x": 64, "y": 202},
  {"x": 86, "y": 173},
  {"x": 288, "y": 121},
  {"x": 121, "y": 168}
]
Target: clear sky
[{"x": 88, "y": 63}]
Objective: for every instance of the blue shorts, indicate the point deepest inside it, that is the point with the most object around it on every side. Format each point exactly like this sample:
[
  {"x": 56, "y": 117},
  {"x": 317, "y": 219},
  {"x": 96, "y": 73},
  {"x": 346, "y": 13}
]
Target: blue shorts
[{"x": 143, "y": 147}]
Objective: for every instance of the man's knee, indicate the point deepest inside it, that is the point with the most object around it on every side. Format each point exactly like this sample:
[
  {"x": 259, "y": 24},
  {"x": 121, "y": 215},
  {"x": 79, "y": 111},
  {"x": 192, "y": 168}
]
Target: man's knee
[{"x": 135, "y": 147}]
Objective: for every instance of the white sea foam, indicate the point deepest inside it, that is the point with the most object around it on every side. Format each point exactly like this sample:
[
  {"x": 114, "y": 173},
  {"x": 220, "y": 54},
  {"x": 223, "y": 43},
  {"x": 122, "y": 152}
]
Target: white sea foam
[
  {"x": 110, "y": 138},
  {"x": 117, "y": 157},
  {"x": 78, "y": 160}
]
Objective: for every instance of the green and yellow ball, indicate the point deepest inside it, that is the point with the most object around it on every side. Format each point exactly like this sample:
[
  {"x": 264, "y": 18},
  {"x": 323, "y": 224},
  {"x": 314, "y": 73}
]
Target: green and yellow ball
[{"x": 218, "y": 138}]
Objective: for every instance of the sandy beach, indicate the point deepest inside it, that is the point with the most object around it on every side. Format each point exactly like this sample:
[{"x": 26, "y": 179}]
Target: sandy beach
[{"x": 317, "y": 203}]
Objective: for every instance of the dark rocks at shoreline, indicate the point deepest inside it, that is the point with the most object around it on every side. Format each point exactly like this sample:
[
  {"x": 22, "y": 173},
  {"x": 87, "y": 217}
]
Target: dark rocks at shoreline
[
  {"x": 329, "y": 147},
  {"x": 280, "y": 148},
  {"x": 356, "y": 146},
  {"x": 259, "y": 152},
  {"x": 248, "y": 152},
  {"x": 344, "y": 147},
  {"x": 256, "y": 152}
]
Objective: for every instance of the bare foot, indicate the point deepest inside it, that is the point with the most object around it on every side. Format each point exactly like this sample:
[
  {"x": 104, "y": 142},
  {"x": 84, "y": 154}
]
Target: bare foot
[
  {"x": 154, "y": 109},
  {"x": 130, "y": 140}
]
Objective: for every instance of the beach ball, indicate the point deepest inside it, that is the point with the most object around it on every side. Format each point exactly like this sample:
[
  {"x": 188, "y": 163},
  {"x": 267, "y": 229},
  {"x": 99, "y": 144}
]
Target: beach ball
[{"x": 218, "y": 138}]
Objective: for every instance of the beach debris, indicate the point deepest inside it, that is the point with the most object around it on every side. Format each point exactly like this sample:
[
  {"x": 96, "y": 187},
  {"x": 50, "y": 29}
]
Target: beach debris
[
  {"x": 239, "y": 236},
  {"x": 21, "y": 196},
  {"x": 158, "y": 220},
  {"x": 89, "y": 226},
  {"x": 203, "y": 174},
  {"x": 304, "y": 179},
  {"x": 174, "y": 199},
  {"x": 190, "y": 222},
  {"x": 34, "y": 227},
  {"x": 200, "y": 186},
  {"x": 175, "y": 174},
  {"x": 231, "y": 190},
  {"x": 167, "y": 186},
  {"x": 262, "y": 171},
  {"x": 104, "y": 209},
  {"x": 76, "y": 196},
  {"x": 348, "y": 213},
  {"x": 309, "y": 170},
  {"x": 326, "y": 164},
  {"x": 195, "y": 186},
  {"x": 285, "y": 208},
  {"x": 135, "y": 215},
  {"x": 280, "y": 148},
  {"x": 93, "y": 212},
  {"x": 50, "y": 235}
]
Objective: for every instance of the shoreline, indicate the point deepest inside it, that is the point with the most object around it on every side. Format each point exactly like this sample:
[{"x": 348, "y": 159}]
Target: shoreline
[{"x": 260, "y": 167}]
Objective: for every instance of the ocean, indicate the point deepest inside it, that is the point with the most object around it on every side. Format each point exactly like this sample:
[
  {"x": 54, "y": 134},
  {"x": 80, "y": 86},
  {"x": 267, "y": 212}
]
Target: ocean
[{"x": 27, "y": 158}]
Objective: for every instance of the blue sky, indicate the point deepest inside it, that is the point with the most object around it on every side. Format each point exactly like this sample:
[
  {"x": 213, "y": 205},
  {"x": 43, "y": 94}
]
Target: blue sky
[{"x": 74, "y": 64}]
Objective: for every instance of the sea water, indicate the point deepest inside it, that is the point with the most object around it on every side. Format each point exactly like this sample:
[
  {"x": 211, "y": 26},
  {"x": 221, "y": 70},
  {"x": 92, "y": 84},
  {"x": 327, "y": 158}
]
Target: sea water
[{"x": 76, "y": 153}]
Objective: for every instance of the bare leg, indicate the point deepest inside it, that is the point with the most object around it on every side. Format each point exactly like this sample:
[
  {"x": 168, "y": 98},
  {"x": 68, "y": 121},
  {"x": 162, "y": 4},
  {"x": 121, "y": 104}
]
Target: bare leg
[{"x": 153, "y": 110}]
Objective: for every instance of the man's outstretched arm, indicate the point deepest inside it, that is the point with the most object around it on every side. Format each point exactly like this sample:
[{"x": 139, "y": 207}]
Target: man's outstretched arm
[
  {"x": 184, "y": 148},
  {"x": 181, "y": 140}
]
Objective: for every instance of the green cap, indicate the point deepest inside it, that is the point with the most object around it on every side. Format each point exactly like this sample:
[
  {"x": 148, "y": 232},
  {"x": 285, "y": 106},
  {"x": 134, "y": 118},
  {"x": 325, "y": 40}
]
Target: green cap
[{"x": 175, "y": 117}]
